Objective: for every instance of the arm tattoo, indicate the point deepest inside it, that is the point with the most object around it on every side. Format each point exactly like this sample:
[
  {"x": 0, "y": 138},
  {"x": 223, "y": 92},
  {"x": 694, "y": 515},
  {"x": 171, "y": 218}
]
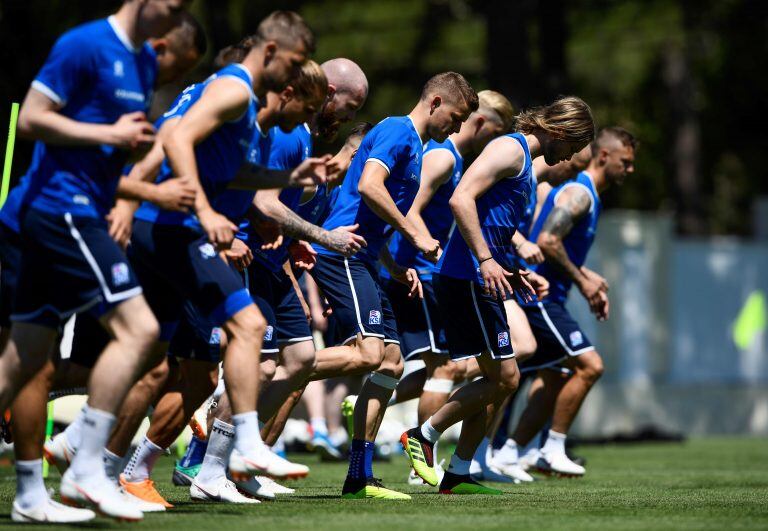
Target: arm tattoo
[
  {"x": 558, "y": 225},
  {"x": 559, "y": 222},
  {"x": 297, "y": 227}
]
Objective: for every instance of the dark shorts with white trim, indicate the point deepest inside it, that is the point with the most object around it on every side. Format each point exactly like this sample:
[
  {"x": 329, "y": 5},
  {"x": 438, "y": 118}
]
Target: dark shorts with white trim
[
  {"x": 558, "y": 336},
  {"x": 176, "y": 264},
  {"x": 360, "y": 305},
  {"x": 10, "y": 264},
  {"x": 419, "y": 323},
  {"x": 69, "y": 265},
  {"x": 474, "y": 322},
  {"x": 274, "y": 294}
]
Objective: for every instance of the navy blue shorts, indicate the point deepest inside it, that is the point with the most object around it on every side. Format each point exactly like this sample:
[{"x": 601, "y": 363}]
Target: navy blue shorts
[
  {"x": 558, "y": 335},
  {"x": 274, "y": 294},
  {"x": 474, "y": 322},
  {"x": 69, "y": 265},
  {"x": 176, "y": 264},
  {"x": 88, "y": 341},
  {"x": 10, "y": 262},
  {"x": 196, "y": 337},
  {"x": 359, "y": 304},
  {"x": 419, "y": 323}
]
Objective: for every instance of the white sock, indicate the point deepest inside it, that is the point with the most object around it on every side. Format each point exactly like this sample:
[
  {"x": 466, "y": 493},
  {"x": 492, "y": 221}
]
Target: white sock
[
  {"x": 392, "y": 399},
  {"x": 555, "y": 443},
  {"x": 429, "y": 432},
  {"x": 459, "y": 466},
  {"x": 319, "y": 425},
  {"x": 247, "y": 436},
  {"x": 139, "y": 468},
  {"x": 279, "y": 445},
  {"x": 112, "y": 465},
  {"x": 507, "y": 454},
  {"x": 96, "y": 427},
  {"x": 220, "y": 443},
  {"x": 481, "y": 453},
  {"x": 30, "y": 489},
  {"x": 74, "y": 432}
]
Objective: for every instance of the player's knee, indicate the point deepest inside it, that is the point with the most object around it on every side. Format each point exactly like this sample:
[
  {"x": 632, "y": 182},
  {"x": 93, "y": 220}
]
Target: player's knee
[
  {"x": 525, "y": 349},
  {"x": 509, "y": 379},
  {"x": 393, "y": 361},
  {"x": 371, "y": 353},
  {"x": 300, "y": 361},
  {"x": 247, "y": 325},
  {"x": 141, "y": 332},
  {"x": 592, "y": 368},
  {"x": 267, "y": 371}
]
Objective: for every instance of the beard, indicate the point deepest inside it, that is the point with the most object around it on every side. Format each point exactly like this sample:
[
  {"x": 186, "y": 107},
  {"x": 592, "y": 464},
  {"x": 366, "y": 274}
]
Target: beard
[{"x": 326, "y": 125}]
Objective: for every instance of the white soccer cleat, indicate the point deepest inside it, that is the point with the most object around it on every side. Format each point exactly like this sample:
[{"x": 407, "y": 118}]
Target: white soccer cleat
[
  {"x": 100, "y": 493},
  {"x": 199, "y": 421},
  {"x": 263, "y": 461},
  {"x": 142, "y": 505},
  {"x": 512, "y": 470},
  {"x": 529, "y": 459},
  {"x": 50, "y": 512},
  {"x": 223, "y": 491},
  {"x": 274, "y": 486},
  {"x": 559, "y": 465},
  {"x": 57, "y": 452},
  {"x": 255, "y": 488}
]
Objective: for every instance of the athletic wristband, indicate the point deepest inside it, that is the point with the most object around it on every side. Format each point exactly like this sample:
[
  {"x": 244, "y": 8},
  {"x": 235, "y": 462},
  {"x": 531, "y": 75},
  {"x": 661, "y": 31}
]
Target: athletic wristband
[{"x": 484, "y": 260}]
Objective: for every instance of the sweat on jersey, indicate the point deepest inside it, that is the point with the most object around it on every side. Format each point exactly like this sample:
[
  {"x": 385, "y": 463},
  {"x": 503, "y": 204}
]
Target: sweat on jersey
[{"x": 395, "y": 144}]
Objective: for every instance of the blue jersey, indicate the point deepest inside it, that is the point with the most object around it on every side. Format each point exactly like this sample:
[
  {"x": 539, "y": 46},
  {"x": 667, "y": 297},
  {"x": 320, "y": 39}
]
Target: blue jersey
[
  {"x": 526, "y": 220},
  {"x": 577, "y": 243},
  {"x": 10, "y": 214},
  {"x": 218, "y": 157},
  {"x": 395, "y": 144},
  {"x": 95, "y": 75},
  {"x": 499, "y": 211},
  {"x": 287, "y": 151},
  {"x": 437, "y": 216}
]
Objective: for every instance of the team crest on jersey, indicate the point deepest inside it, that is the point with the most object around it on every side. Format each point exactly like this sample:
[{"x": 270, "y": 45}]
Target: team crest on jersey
[
  {"x": 119, "y": 69},
  {"x": 503, "y": 339},
  {"x": 374, "y": 317},
  {"x": 207, "y": 250},
  {"x": 215, "y": 338},
  {"x": 120, "y": 274},
  {"x": 576, "y": 338},
  {"x": 268, "y": 334}
]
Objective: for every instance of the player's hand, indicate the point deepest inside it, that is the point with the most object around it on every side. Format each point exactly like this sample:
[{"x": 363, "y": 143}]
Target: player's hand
[
  {"x": 314, "y": 170},
  {"x": 530, "y": 252},
  {"x": 175, "y": 194},
  {"x": 596, "y": 277},
  {"x": 270, "y": 233},
  {"x": 410, "y": 278},
  {"x": 592, "y": 290},
  {"x": 239, "y": 255},
  {"x": 500, "y": 283},
  {"x": 120, "y": 220},
  {"x": 602, "y": 311},
  {"x": 133, "y": 132},
  {"x": 344, "y": 241},
  {"x": 303, "y": 255},
  {"x": 428, "y": 246},
  {"x": 218, "y": 228},
  {"x": 538, "y": 283}
]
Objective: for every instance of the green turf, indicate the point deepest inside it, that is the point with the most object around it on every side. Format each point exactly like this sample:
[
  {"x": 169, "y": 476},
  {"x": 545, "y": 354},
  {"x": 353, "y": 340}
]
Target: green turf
[{"x": 703, "y": 484}]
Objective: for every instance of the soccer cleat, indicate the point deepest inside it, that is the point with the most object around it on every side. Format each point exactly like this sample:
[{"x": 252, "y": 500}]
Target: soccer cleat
[
  {"x": 512, "y": 470},
  {"x": 415, "y": 480},
  {"x": 274, "y": 486},
  {"x": 142, "y": 505},
  {"x": 557, "y": 464},
  {"x": 369, "y": 488},
  {"x": 199, "y": 429},
  {"x": 184, "y": 475},
  {"x": 50, "y": 512},
  {"x": 348, "y": 412},
  {"x": 255, "y": 488},
  {"x": 456, "y": 484},
  {"x": 263, "y": 461},
  {"x": 223, "y": 491},
  {"x": 420, "y": 454},
  {"x": 321, "y": 444},
  {"x": 144, "y": 490},
  {"x": 100, "y": 493},
  {"x": 58, "y": 452},
  {"x": 529, "y": 459}
]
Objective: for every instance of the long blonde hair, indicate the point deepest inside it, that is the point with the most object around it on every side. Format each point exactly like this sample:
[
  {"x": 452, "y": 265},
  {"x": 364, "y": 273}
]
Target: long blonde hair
[
  {"x": 569, "y": 119},
  {"x": 310, "y": 83}
]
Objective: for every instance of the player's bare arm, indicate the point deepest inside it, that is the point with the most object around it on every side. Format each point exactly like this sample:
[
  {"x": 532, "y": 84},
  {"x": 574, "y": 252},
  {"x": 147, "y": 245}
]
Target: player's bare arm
[
  {"x": 404, "y": 275},
  {"x": 436, "y": 169},
  {"x": 311, "y": 171},
  {"x": 527, "y": 250}
]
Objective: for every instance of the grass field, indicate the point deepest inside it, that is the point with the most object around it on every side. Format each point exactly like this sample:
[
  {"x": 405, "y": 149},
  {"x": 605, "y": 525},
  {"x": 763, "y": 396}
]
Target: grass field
[{"x": 703, "y": 484}]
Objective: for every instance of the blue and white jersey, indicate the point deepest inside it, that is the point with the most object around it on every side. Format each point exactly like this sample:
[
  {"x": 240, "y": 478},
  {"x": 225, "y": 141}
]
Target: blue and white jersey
[
  {"x": 287, "y": 150},
  {"x": 526, "y": 220},
  {"x": 95, "y": 75},
  {"x": 577, "y": 243},
  {"x": 499, "y": 210},
  {"x": 437, "y": 216},
  {"x": 395, "y": 145},
  {"x": 218, "y": 157}
]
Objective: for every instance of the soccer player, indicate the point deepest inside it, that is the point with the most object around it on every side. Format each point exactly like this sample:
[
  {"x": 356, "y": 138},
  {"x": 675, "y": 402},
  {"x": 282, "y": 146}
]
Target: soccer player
[
  {"x": 565, "y": 231},
  {"x": 378, "y": 190},
  {"x": 419, "y": 325},
  {"x": 475, "y": 276},
  {"x": 86, "y": 110}
]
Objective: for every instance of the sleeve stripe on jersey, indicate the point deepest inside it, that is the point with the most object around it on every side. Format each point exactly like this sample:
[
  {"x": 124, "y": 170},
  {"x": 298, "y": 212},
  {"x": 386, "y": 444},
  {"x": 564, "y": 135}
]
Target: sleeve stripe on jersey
[
  {"x": 48, "y": 92},
  {"x": 380, "y": 162}
]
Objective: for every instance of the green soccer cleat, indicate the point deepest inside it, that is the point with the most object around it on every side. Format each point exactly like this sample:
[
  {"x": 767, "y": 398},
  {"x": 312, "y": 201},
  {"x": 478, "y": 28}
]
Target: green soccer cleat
[
  {"x": 456, "y": 484},
  {"x": 348, "y": 412},
  {"x": 370, "y": 488},
  {"x": 421, "y": 455},
  {"x": 184, "y": 475}
]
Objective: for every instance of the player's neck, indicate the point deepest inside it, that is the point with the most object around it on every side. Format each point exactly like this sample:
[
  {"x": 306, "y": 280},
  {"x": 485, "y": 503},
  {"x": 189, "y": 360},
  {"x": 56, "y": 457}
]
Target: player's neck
[
  {"x": 253, "y": 62},
  {"x": 420, "y": 117},
  {"x": 462, "y": 141},
  {"x": 268, "y": 113},
  {"x": 597, "y": 174},
  {"x": 127, "y": 17},
  {"x": 534, "y": 145}
]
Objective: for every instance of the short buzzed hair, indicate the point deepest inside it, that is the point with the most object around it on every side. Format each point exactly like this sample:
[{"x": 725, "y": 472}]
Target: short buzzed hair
[
  {"x": 495, "y": 102},
  {"x": 285, "y": 27},
  {"x": 357, "y": 133},
  {"x": 189, "y": 33},
  {"x": 606, "y": 134},
  {"x": 451, "y": 86}
]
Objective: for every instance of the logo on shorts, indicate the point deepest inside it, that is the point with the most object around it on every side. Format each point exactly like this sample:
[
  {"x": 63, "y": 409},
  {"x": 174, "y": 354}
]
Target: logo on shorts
[
  {"x": 80, "y": 199},
  {"x": 120, "y": 274},
  {"x": 576, "y": 338},
  {"x": 374, "y": 317},
  {"x": 207, "y": 250},
  {"x": 215, "y": 338},
  {"x": 268, "y": 333},
  {"x": 503, "y": 339}
]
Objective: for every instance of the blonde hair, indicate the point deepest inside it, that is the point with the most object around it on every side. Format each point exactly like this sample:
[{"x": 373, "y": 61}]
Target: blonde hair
[
  {"x": 310, "y": 83},
  {"x": 496, "y": 102},
  {"x": 569, "y": 119}
]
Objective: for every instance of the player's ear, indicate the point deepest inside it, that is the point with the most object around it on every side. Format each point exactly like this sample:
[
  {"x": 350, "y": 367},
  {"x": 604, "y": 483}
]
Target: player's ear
[
  {"x": 160, "y": 46},
  {"x": 270, "y": 49},
  {"x": 436, "y": 102},
  {"x": 480, "y": 122},
  {"x": 331, "y": 92},
  {"x": 287, "y": 94}
]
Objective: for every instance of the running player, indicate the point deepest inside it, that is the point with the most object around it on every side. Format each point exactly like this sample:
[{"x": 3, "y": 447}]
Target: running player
[
  {"x": 565, "y": 231},
  {"x": 86, "y": 110},
  {"x": 475, "y": 275},
  {"x": 378, "y": 189}
]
